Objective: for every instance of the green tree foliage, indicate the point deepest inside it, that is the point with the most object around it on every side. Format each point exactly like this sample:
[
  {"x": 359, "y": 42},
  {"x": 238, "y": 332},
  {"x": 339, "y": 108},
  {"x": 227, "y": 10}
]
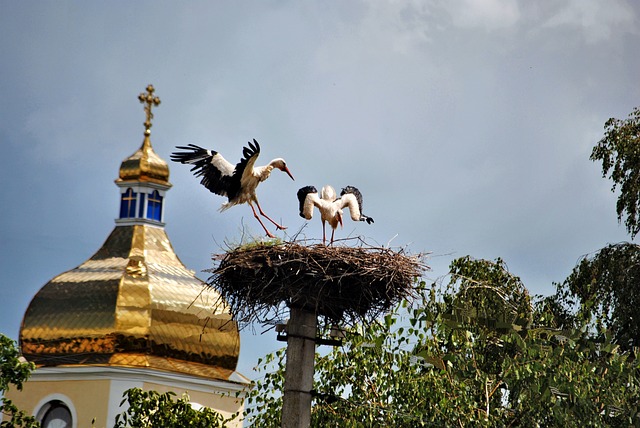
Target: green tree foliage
[
  {"x": 601, "y": 294},
  {"x": 153, "y": 409},
  {"x": 619, "y": 152},
  {"x": 489, "y": 292},
  {"x": 605, "y": 290},
  {"x": 474, "y": 352},
  {"x": 14, "y": 372}
]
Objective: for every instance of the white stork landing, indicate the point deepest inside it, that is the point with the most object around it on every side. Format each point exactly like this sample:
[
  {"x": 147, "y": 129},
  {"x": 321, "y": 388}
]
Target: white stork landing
[
  {"x": 238, "y": 183},
  {"x": 331, "y": 207}
]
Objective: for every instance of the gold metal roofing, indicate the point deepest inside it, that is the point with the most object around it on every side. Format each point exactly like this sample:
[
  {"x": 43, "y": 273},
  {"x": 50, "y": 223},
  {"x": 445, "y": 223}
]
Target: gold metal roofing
[
  {"x": 133, "y": 303},
  {"x": 145, "y": 165}
]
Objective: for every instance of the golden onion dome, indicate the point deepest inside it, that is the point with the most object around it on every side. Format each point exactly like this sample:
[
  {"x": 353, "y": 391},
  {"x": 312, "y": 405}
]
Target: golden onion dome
[
  {"x": 133, "y": 304},
  {"x": 145, "y": 165}
]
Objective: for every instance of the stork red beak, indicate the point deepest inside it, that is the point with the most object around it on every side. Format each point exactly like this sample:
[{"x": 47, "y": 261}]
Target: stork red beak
[{"x": 289, "y": 173}]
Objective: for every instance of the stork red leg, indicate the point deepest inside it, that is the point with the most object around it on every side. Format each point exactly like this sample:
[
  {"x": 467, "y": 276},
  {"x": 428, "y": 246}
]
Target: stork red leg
[
  {"x": 267, "y": 217},
  {"x": 324, "y": 235},
  {"x": 255, "y": 214}
]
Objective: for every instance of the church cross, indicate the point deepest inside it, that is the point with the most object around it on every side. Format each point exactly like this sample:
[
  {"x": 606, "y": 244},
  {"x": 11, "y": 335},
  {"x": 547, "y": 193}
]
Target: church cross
[{"x": 149, "y": 101}]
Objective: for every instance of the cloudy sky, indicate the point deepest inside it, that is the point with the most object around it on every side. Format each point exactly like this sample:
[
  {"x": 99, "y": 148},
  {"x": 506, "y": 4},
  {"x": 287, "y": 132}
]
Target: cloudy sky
[{"x": 466, "y": 124}]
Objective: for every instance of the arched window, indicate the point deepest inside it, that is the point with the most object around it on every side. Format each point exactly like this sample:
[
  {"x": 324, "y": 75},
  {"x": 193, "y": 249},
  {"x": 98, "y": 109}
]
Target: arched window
[
  {"x": 128, "y": 204},
  {"x": 56, "y": 415},
  {"x": 154, "y": 206}
]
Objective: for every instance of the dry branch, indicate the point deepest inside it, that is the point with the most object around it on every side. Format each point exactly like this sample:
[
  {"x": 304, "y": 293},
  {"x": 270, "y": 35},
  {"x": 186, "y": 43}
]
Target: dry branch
[{"x": 343, "y": 284}]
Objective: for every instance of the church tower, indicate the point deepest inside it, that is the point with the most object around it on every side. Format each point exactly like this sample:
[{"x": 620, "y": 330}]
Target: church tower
[{"x": 131, "y": 316}]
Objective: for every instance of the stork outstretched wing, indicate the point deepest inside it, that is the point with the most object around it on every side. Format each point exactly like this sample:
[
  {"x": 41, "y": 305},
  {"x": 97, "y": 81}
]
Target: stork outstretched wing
[
  {"x": 218, "y": 174},
  {"x": 351, "y": 197},
  {"x": 308, "y": 198},
  {"x": 244, "y": 168},
  {"x": 215, "y": 171}
]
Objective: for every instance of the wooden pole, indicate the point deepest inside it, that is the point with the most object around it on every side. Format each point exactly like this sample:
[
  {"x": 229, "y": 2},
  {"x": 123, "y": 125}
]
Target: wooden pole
[{"x": 298, "y": 378}]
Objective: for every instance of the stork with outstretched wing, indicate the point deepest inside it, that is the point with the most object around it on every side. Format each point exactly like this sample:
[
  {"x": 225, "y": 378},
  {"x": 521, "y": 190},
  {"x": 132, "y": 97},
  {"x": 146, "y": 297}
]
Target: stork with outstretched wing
[
  {"x": 331, "y": 207},
  {"x": 238, "y": 183}
]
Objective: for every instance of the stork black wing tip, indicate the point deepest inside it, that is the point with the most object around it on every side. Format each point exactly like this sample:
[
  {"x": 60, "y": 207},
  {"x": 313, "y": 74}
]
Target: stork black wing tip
[
  {"x": 302, "y": 195},
  {"x": 255, "y": 147},
  {"x": 251, "y": 150},
  {"x": 304, "y": 191},
  {"x": 189, "y": 147},
  {"x": 349, "y": 189}
]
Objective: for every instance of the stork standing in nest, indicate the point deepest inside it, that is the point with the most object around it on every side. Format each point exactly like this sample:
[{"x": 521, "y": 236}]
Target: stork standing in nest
[
  {"x": 238, "y": 183},
  {"x": 331, "y": 207}
]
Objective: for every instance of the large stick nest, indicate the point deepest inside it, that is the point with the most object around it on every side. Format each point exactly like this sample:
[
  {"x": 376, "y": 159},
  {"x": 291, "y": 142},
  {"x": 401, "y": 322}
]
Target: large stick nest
[{"x": 343, "y": 284}]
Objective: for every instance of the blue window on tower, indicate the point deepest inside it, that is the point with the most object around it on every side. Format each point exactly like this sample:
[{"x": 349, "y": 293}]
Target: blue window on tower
[
  {"x": 141, "y": 208},
  {"x": 128, "y": 204},
  {"x": 154, "y": 206}
]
